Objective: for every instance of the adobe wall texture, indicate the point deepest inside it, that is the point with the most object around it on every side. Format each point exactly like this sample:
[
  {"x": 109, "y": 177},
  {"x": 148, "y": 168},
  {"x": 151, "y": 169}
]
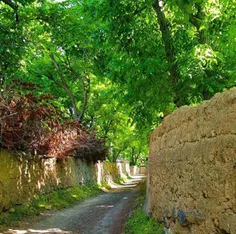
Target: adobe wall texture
[
  {"x": 192, "y": 168},
  {"x": 107, "y": 172},
  {"x": 21, "y": 179}
]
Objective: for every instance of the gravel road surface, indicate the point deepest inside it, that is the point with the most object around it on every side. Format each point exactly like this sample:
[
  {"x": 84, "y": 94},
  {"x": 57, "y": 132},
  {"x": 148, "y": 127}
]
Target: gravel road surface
[{"x": 103, "y": 214}]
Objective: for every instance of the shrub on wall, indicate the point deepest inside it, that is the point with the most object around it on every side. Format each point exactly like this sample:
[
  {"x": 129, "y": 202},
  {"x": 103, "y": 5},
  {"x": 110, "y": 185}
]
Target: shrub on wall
[{"x": 34, "y": 123}]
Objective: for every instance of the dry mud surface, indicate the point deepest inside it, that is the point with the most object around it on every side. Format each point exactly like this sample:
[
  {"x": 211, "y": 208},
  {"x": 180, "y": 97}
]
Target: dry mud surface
[
  {"x": 192, "y": 168},
  {"x": 103, "y": 214}
]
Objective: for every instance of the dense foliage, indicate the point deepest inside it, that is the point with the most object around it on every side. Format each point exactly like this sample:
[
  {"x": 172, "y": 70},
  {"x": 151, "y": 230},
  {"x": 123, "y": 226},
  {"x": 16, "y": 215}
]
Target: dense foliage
[
  {"x": 32, "y": 123},
  {"x": 118, "y": 67}
]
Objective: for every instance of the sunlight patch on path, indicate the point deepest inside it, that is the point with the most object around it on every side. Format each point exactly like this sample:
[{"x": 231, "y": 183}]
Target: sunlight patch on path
[
  {"x": 33, "y": 231},
  {"x": 97, "y": 215},
  {"x": 129, "y": 183}
]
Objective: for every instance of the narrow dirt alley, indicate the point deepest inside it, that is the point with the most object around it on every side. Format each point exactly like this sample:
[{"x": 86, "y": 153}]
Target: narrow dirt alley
[{"x": 103, "y": 214}]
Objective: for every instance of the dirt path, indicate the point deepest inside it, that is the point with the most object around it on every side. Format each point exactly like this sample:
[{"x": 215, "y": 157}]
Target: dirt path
[{"x": 103, "y": 214}]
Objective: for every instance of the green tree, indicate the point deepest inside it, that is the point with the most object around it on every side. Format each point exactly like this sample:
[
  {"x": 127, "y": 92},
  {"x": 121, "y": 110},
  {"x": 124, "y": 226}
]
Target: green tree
[
  {"x": 164, "y": 52},
  {"x": 119, "y": 66}
]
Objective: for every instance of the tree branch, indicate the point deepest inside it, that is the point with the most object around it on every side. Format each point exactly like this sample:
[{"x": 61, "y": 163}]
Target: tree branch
[
  {"x": 169, "y": 48},
  {"x": 85, "y": 87},
  {"x": 14, "y": 6},
  {"x": 65, "y": 86},
  {"x": 10, "y": 4}
]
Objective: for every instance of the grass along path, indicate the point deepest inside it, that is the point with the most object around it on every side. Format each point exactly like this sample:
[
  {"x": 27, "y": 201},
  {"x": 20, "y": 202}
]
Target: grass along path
[
  {"x": 139, "y": 223},
  {"x": 55, "y": 200},
  {"x": 105, "y": 213}
]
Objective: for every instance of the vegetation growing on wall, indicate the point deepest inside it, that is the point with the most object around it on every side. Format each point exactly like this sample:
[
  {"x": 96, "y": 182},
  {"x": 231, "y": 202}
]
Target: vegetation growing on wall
[{"x": 34, "y": 123}]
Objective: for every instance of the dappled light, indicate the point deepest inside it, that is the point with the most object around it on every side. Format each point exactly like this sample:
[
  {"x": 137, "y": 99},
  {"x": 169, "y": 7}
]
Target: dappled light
[
  {"x": 105, "y": 206},
  {"x": 33, "y": 231},
  {"x": 86, "y": 87},
  {"x": 129, "y": 183}
]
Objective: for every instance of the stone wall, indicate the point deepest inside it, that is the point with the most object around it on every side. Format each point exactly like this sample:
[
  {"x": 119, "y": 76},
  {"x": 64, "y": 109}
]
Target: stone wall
[
  {"x": 21, "y": 179},
  {"x": 143, "y": 170},
  {"x": 192, "y": 168}
]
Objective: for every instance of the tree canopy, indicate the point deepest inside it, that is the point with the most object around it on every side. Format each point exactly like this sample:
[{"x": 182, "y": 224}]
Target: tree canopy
[{"x": 119, "y": 66}]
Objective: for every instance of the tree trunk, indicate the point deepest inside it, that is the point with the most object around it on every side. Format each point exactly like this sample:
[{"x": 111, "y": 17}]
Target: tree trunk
[
  {"x": 86, "y": 89},
  {"x": 14, "y": 6},
  {"x": 136, "y": 157},
  {"x": 195, "y": 20},
  {"x": 85, "y": 82},
  {"x": 73, "y": 102},
  {"x": 116, "y": 155},
  {"x": 64, "y": 85},
  {"x": 169, "y": 48},
  {"x": 132, "y": 156}
]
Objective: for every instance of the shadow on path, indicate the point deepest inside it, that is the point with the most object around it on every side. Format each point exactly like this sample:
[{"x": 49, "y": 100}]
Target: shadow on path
[{"x": 103, "y": 214}]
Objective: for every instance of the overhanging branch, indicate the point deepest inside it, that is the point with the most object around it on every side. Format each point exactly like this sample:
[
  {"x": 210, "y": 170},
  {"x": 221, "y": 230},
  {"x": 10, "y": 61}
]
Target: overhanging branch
[{"x": 14, "y": 6}]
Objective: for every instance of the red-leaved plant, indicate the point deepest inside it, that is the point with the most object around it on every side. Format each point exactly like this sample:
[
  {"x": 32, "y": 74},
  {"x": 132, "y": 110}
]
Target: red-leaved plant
[{"x": 32, "y": 123}]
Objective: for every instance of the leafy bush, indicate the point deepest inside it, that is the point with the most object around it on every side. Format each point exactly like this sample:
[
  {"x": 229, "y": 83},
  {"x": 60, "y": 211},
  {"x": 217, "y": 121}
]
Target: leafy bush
[{"x": 34, "y": 123}]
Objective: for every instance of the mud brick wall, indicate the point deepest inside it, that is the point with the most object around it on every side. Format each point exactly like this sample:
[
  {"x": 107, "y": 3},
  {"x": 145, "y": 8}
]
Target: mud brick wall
[
  {"x": 21, "y": 179},
  {"x": 192, "y": 168},
  {"x": 107, "y": 172},
  {"x": 134, "y": 170},
  {"x": 124, "y": 168}
]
